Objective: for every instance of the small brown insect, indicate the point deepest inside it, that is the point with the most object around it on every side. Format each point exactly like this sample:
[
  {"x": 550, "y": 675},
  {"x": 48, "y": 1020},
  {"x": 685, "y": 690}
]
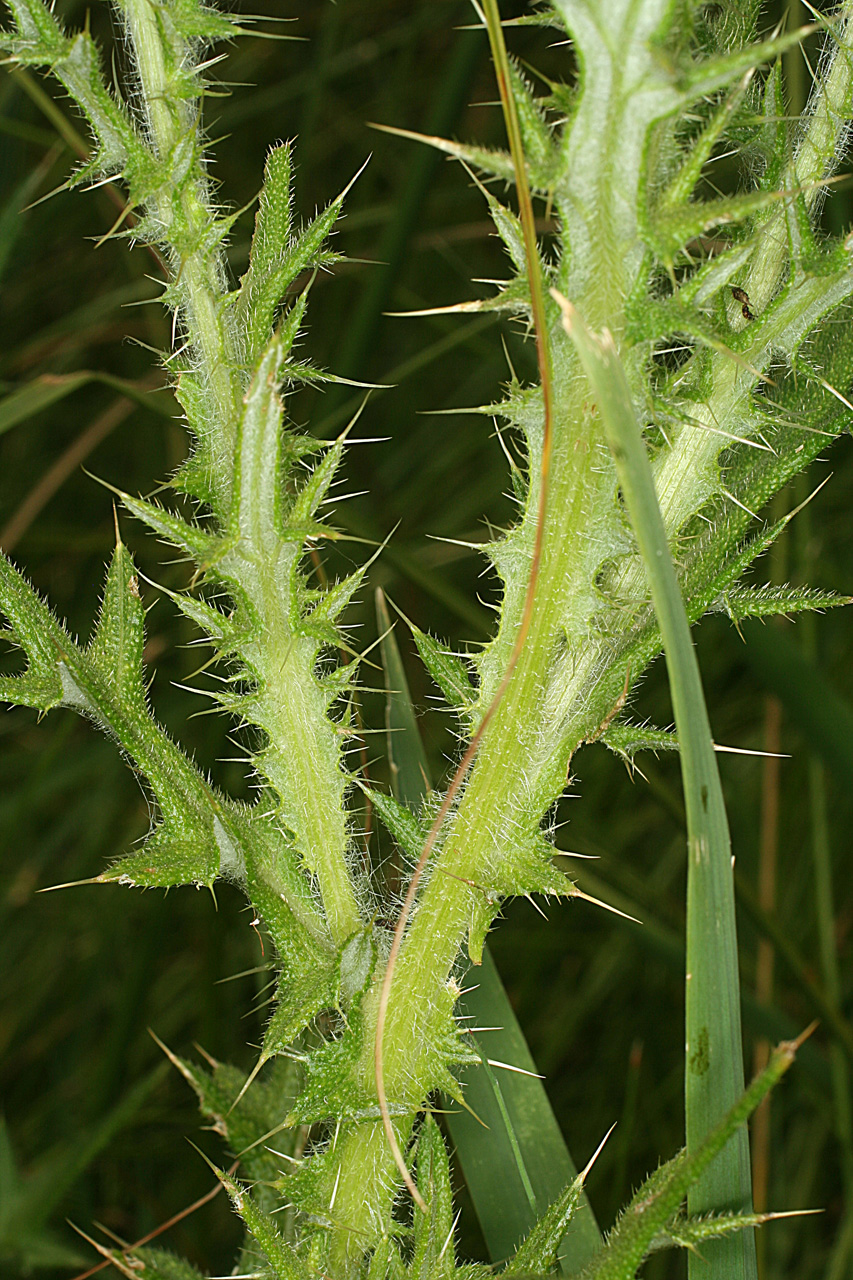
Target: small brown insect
[{"x": 741, "y": 296}]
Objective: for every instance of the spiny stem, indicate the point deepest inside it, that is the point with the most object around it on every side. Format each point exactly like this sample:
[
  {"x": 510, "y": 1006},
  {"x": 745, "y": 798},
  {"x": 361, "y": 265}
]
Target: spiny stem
[
  {"x": 200, "y": 272},
  {"x": 531, "y": 248}
]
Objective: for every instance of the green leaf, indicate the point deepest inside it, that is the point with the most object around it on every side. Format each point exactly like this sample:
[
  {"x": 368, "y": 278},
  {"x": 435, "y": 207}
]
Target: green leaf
[
  {"x": 303, "y": 991},
  {"x": 447, "y": 670},
  {"x": 433, "y": 1252},
  {"x": 400, "y": 822},
  {"x": 116, "y": 649},
  {"x": 259, "y": 1113},
  {"x": 275, "y": 208},
  {"x": 201, "y": 835},
  {"x": 265, "y": 285},
  {"x": 657, "y": 1203},
  {"x": 687, "y": 1233},
  {"x": 204, "y": 547},
  {"x": 152, "y": 1264},
  {"x": 709, "y": 74},
  {"x": 494, "y": 163},
  {"x": 385, "y": 1262},
  {"x": 538, "y": 1252},
  {"x": 626, "y": 739},
  {"x": 768, "y": 601},
  {"x": 285, "y": 1261},
  {"x": 541, "y": 150}
]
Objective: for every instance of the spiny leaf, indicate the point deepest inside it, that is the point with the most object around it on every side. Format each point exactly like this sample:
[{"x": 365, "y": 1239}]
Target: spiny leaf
[
  {"x": 216, "y": 624},
  {"x": 116, "y": 649},
  {"x": 316, "y": 487},
  {"x": 681, "y": 187},
  {"x": 538, "y": 1252},
  {"x": 704, "y": 77},
  {"x": 204, "y": 547},
  {"x": 385, "y": 1262},
  {"x": 257, "y": 1115},
  {"x": 74, "y": 61},
  {"x": 687, "y": 1233},
  {"x": 433, "y": 1252},
  {"x": 168, "y": 858},
  {"x": 670, "y": 231},
  {"x": 265, "y": 285},
  {"x": 540, "y": 149},
  {"x": 409, "y": 832},
  {"x": 626, "y": 739},
  {"x": 300, "y": 995},
  {"x": 657, "y": 1202},
  {"x": 497, "y": 164},
  {"x": 275, "y": 207},
  {"x": 761, "y": 602},
  {"x": 526, "y": 868},
  {"x": 37, "y": 632},
  {"x": 151, "y": 1264},
  {"x": 285, "y": 1261}
]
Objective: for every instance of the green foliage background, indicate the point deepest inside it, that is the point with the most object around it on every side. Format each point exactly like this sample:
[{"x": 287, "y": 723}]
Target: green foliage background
[{"x": 95, "y": 1123}]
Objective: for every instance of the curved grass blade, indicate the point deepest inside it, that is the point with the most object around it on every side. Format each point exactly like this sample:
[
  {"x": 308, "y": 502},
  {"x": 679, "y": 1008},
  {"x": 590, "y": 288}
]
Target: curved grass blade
[
  {"x": 714, "y": 1078},
  {"x": 519, "y": 1164}
]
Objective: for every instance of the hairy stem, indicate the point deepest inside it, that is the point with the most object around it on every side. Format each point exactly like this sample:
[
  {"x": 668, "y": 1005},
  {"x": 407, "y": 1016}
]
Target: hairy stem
[{"x": 186, "y": 214}]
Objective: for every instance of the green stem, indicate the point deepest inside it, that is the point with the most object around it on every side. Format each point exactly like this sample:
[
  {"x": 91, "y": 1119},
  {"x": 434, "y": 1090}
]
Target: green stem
[
  {"x": 714, "y": 1054},
  {"x": 507, "y": 779},
  {"x": 297, "y": 716},
  {"x": 815, "y": 158},
  {"x": 187, "y": 214}
]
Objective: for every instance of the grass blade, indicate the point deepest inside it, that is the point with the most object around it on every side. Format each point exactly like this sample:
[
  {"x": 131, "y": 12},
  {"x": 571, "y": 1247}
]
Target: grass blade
[
  {"x": 714, "y": 1054},
  {"x": 406, "y": 755},
  {"x": 516, "y": 1168}
]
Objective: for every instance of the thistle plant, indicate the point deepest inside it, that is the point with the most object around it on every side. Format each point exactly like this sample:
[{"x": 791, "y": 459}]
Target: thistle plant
[{"x": 693, "y": 356}]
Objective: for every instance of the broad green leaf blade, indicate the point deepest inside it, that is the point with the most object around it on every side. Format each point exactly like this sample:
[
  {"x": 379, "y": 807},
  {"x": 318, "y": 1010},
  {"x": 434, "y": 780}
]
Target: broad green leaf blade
[
  {"x": 714, "y": 1052},
  {"x": 517, "y": 1167}
]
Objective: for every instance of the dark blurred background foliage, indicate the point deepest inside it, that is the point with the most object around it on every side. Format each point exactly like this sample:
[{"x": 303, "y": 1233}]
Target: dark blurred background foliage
[{"x": 96, "y": 1126}]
